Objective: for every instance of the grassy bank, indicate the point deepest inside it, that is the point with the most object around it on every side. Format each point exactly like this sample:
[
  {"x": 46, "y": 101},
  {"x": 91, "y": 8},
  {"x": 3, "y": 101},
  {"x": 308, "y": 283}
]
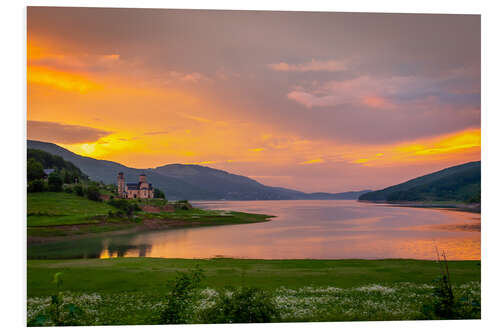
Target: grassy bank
[
  {"x": 58, "y": 208},
  {"x": 130, "y": 290},
  {"x": 54, "y": 216}
]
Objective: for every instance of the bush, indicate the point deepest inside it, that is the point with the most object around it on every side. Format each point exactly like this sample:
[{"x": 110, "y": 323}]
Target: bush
[
  {"x": 180, "y": 300},
  {"x": 68, "y": 189},
  {"x": 125, "y": 206},
  {"x": 93, "y": 193},
  {"x": 243, "y": 305},
  {"x": 183, "y": 204},
  {"x": 37, "y": 185},
  {"x": 159, "y": 194},
  {"x": 78, "y": 188},
  {"x": 55, "y": 182}
]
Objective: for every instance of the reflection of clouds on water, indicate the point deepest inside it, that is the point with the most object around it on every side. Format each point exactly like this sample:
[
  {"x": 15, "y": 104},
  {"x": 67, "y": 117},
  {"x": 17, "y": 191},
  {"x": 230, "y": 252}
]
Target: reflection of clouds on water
[{"x": 302, "y": 229}]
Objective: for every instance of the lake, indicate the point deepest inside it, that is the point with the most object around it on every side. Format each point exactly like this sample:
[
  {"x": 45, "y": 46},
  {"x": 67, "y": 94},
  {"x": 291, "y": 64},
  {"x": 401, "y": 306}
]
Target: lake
[{"x": 315, "y": 229}]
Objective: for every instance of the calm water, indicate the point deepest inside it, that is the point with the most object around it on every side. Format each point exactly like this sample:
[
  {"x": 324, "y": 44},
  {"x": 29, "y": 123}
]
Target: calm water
[{"x": 320, "y": 229}]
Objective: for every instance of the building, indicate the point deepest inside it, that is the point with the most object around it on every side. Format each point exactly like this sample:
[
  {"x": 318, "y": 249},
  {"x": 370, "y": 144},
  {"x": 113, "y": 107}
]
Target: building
[{"x": 142, "y": 189}]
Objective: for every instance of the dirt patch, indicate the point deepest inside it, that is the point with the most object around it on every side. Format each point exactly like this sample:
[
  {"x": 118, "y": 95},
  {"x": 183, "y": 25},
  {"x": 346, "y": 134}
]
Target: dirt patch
[
  {"x": 154, "y": 224},
  {"x": 158, "y": 209}
]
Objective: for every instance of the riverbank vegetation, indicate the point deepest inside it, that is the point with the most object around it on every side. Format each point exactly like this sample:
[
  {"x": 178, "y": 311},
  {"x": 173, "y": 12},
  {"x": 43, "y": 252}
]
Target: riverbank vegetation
[{"x": 139, "y": 290}]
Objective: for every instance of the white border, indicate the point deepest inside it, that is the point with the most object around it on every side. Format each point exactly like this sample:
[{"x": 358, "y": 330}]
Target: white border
[{"x": 13, "y": 133}]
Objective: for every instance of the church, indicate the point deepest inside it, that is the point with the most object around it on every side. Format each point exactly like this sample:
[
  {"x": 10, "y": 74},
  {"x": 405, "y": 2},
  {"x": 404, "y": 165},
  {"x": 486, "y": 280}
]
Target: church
[{"x": 142, "y": 189}]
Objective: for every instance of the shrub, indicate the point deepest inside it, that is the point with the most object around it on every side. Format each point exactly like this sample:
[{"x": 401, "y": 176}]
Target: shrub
[
  {"x": 180, "y": 300},
  {"x": 243, "y": 305},
  {"x": 444, "y": 305},
  {"x": 78, "y": 188},
  {"x": 183, "y": 204},
  {"x": 93, "y": 193},
  {"x": 159, "y": 194},
  {"x": 37, "y": 185},
  {"x": 55, "y": 182},
  {"x": 68, "y": 189},
  {"x": 125, "y": 206}
]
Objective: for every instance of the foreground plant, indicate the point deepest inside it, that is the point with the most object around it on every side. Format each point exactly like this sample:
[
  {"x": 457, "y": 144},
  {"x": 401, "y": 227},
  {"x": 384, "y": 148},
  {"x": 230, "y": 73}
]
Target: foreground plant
[
  {"x": 59, "y": 313},
  {"x": 242, "y": 305},
  {"x": 179, "y": 301},
  {"x": 444, "y": 304}
]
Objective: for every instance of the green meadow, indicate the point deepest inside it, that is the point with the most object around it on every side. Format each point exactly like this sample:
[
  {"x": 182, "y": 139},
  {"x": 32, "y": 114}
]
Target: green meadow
[
  {"x": 134, "y": 290},
  {"x": 59, "y": 208}
]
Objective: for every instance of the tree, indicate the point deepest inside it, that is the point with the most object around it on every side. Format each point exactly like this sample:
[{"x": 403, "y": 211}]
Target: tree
[
  {"x": 93, "y": 193},
  {"x": 36, "y": 185},
  {"x": 55, "y": 182},
  {"x": 35, "y": 170},
  {"x": 159, "y": 194}
]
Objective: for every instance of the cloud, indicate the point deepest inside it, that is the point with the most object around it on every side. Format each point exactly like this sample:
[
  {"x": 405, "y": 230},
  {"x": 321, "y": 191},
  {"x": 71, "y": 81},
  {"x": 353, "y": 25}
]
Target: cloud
[
  {"x": 193, "y": 77},
  {"x": 311, "y": 66},
  {"x": 157, "y": 133},
  {"x": 381, "y": 92},
  {"x": 79, "y": 63},
  {"x": 63, "y": 133},
  {"x": 315, "y": 161}
]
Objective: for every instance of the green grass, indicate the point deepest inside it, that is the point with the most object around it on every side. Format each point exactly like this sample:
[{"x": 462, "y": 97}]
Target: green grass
[
  {"x": 209, "y": 217},
  {"x": 150, "y": 274},
  {"x": 59, "y": 208},
  {"x": 132, "y": 290},
  {"x": 48, "y": 210}
]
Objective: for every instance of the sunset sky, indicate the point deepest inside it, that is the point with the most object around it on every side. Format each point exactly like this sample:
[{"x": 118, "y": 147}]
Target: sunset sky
[{"x": 311, "y": 101}]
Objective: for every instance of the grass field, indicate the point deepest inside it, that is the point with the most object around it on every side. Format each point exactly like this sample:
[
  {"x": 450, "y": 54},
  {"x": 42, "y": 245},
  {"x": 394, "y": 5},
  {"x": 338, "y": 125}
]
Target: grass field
[
  {"x": 57, "y": 215},
  {"x": 130, "y": 290},
  {"x": 58, "y": 208}
]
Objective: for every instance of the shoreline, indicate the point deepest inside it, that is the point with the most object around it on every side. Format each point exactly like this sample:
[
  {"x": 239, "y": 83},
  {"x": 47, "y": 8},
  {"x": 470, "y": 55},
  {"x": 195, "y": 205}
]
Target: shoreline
[
  {"x": 49, "y": 234},
  {"x": 465, "y": 207}
]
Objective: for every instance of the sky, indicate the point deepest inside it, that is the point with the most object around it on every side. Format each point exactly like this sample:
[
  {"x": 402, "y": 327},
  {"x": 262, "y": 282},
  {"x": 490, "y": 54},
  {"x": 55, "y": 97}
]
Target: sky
[{"x": 311, "y": 101}]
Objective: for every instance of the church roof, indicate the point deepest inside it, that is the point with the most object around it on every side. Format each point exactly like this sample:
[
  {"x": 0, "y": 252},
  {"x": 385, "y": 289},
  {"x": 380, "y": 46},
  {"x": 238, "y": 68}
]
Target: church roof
[
  {"x": 132, "y": 186},
  {"x": 136, "y": 186}
]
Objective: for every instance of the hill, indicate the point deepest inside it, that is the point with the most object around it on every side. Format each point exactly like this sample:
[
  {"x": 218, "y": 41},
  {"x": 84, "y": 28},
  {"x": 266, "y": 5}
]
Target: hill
[
  {"x": 458, "y": 183},
  {"x": 50, "y": 161},
  {"x": 185, "y": 181}
]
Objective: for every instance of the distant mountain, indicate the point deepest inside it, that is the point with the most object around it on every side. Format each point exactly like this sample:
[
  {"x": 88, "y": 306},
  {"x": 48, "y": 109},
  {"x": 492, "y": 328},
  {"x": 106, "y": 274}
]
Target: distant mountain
[
  {"x": 457, "y": 183},
  {"x": 187, "y": 181}
]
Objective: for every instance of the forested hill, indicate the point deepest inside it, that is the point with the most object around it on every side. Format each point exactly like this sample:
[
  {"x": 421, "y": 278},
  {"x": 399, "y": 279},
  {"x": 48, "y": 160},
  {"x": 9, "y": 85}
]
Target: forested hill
[
  {"x": 458, "y": 183},
  {"x": 38, "y": 160},
  {"x": 185, "y": 181}
]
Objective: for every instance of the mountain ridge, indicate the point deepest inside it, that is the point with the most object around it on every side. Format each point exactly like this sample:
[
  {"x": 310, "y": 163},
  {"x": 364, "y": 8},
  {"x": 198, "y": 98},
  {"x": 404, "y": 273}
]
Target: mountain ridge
[
  {"x": 457, "y": 183},
  {"x": 188, "y": 181}
]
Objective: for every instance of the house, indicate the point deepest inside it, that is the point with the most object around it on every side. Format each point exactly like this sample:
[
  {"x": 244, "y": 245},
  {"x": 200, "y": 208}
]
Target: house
[
  {"x": 142, "y": 189},
  {"x": 48, "y": 171}
]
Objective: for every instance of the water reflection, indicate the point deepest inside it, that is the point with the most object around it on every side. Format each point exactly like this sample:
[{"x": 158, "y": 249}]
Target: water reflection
[{"x": 302, "y": 229}]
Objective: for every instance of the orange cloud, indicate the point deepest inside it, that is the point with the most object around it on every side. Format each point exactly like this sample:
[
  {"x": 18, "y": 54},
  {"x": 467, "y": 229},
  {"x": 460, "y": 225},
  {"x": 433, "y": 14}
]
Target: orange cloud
[
  {"x": 315, "y": 161},
  {"x": 60, "y": 80},
  {"x": 311, "y": 66},
  {"x": 450, "y": 146},
  {"x": 377, "y": 102}
]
